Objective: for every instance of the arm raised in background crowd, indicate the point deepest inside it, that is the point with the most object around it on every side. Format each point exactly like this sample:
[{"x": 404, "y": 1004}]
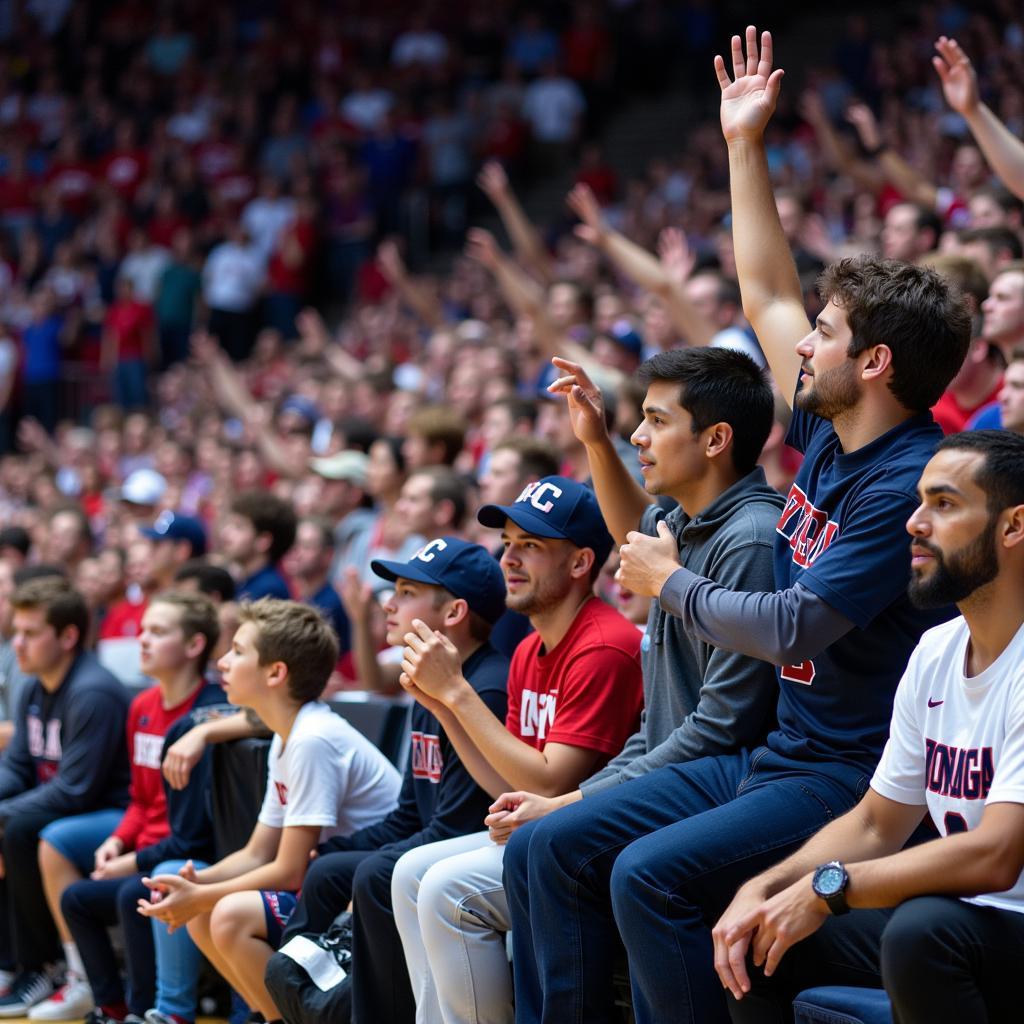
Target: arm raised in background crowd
[
  {"x": 358, "y": 599},
  {"x": 662, "y": 277},
  {"x": 1003, "y": 151},
  {"x": 233, "y": 395},
  {"x": 835, "y": 151},
  {"x": 769, "y": 284},
  {"x": 421, "y": 299},
  {"x": 910, "y": 182},
  {"x": 526, "y": 240},
  {"x": 621, "y": 499}
]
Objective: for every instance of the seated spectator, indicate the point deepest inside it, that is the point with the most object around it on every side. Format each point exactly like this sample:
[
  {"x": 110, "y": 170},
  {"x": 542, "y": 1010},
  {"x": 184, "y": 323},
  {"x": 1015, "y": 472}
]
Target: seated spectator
[
  {"x": 67, "y": 756},
  {"x": 329, "y": 780},
  {"x": 92, "y": 864},
  {"x": 12, "y": 679},
  {"x": 308, "y": 563},
  {"x": 1011, "y": 395},
  {"x": 573, "y": 699},
  {"x": 433, "y": 502},
  {"x": 259, "y": 530},
  {"x": 457, "y": 589},
  {"x": 434, "y": 437}
]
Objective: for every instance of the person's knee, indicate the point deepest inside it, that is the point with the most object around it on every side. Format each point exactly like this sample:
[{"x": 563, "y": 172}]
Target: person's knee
[
  {"x": 910, "y": 940},
  {"x": 51, "y": 860},
  {"x": 439, "y": 895},
  {"x": 233, "y": 917},
  {"x": 405, "y": 880},
  {"x": 128, "y": 896},
  {"x": 71, "y": 905}
]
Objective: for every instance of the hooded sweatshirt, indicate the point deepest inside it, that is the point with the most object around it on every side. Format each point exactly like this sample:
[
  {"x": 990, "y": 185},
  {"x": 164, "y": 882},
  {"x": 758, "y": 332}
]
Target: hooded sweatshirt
[{"x": 700, "y": 700}]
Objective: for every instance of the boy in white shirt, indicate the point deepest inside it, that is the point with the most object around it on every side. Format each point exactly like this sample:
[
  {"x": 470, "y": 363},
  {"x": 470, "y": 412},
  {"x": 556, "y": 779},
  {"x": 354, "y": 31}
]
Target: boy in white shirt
[
  {"x": 323, "y": 779},
  {"x": 952, "y": 947}
]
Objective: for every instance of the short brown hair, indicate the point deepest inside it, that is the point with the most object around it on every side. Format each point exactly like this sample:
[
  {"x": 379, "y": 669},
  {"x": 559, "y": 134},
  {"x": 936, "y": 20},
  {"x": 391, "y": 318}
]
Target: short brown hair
[
  {"x": 914, "y": 311},
  {"x": 537, "y": 458},
  {"x": 268, "y": 514},
  {"x": 64, "y": 606},
  {"x": 297, "y": 635},
  {"x": 437, "y": 424},
  {"x": 197, "y": 614}
]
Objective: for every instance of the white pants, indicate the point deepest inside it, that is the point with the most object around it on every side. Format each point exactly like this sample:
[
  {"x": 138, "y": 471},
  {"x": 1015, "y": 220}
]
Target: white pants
[{"x": 452, "y": 915}]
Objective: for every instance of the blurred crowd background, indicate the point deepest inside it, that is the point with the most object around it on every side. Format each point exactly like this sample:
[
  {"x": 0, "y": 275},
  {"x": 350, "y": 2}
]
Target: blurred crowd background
[{"x": 280, "y": 283}]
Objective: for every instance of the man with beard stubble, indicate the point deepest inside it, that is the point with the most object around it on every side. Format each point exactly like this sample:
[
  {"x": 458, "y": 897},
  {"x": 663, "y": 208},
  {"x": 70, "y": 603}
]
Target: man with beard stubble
[{"x": 942, "y": 922}]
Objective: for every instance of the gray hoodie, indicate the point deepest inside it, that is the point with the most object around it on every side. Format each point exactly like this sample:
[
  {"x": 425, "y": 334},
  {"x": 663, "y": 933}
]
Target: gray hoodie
[{"x": 701, "y": 700}]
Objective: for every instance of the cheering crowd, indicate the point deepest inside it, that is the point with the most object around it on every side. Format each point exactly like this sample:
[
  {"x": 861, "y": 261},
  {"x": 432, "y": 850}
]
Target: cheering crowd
[{"x": 694, "y": 538}]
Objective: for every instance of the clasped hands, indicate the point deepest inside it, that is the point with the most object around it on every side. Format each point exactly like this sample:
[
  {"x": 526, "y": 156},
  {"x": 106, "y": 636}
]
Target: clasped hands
[
  {"x": 431, "y": 666},
  {"x": 174, "y": 899}
]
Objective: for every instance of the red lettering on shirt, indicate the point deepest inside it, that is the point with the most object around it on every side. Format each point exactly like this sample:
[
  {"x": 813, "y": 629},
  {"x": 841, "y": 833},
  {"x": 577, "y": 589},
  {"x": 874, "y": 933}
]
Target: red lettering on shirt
[
  {"x": 427, "y": 762},
  {"x": 808, "y": 529},
  {"x": 282, "y": 792}
]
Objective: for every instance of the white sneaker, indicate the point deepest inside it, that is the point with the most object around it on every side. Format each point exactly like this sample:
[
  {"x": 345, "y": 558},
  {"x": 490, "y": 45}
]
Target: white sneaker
[{"x": 71, "y": 1001}]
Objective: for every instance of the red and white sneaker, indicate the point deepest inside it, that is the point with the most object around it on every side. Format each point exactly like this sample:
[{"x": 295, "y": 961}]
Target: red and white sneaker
[{"x": 72, "y": 1001}]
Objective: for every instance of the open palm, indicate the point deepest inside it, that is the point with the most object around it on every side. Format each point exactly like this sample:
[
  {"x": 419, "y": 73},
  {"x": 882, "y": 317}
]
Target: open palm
[
  {"x": 748, "y": 102},
  {"x": 959, "y": 81}
]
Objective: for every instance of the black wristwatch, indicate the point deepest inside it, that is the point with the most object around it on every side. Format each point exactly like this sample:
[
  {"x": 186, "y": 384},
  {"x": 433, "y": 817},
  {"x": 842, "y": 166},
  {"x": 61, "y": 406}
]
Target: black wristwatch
[{"x": 829, "y": 882}]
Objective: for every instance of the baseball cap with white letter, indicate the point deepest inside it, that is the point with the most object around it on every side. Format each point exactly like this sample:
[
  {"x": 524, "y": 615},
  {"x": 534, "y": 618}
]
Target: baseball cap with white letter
[
  {"x": 466, "y": 570},
  {"x": 555, "y": 506}
]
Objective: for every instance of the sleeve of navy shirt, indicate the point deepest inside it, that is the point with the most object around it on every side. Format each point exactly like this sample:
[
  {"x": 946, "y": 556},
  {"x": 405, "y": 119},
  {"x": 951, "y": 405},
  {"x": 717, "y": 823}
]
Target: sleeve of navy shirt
[
  {"x": 17, "y": 772},
  {"x": 459, "y": 804},
  {"x": 92, "y": 742},
  {"x": 188, "y": 809}
]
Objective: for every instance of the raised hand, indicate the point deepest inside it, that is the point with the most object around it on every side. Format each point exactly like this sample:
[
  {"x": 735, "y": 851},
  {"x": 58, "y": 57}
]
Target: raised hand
[
  {"x": 481, "y": 246},
  {"x": 582, "y": 201},
  {"x": 959, "y": 80},
  {"x": 493, "y": 181},
  {"x": 861, "y": 116},
  {"x": 356, "y": 596},
  {"x": 675, "y": 254},
  {"x": 431, "y": 661},
  {"x": 586, "y": 407},
  {"x": 389, "y": 260},
  {"x": 748, "y": 102},
  {"x": 812, "y": 107}
]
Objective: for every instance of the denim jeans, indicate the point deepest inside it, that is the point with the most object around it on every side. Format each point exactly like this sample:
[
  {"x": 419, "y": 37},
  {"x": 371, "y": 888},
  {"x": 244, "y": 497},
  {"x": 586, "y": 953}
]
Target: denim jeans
[
  {"x": 655, "y": 860},
  {"x": 89, "y": 908},
  {"x": 177, "y": 958},
  {"x": 78, "y": 837}
]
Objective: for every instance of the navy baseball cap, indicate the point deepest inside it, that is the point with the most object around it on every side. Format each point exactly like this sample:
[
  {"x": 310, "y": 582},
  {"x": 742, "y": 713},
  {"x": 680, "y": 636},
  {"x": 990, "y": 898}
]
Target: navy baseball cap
[
  {"x": 466, "y": 570},
  {"x": 172, "y": 526},
  {"x": 556, "y": 506}
]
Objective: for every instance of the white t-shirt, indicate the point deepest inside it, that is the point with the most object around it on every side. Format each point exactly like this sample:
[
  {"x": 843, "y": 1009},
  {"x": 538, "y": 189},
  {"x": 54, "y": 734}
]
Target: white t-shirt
[
  {"x": 956, "y": 743},
  {"x": 328, "y": 774}
]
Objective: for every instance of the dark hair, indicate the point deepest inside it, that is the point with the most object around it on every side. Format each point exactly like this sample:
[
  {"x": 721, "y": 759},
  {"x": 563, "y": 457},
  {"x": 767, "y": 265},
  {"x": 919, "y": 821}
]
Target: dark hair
[
  {"x": 1001, "y": 475},
  {"x": 298, "y": 635},
  {"x": 210, "y": 579},
  {"x": 323, "y": 527},
  {"x": 16, "y": 537},
  {"x": 395, "y": 447},
  {"x": 447, "y": 485},
  {"x": 914, "y": 311},
  {"x": 78, "y": 514},
  {"x": 1001, "y": 196},
  {"x": 268, "y": 514},
  {"x": 537, "y": 458},
  {"x": 518, "y": 408},
  {"x": 196, "y": 614},
  {"x": 719, "y": 385},
  {"x": 997, "y": 239},
  {"x": 927, "y": 220},
  {"x": 961, "y": 271},
  {"x": 63, "y": 605},
  {"x": 38, "y": 571}
]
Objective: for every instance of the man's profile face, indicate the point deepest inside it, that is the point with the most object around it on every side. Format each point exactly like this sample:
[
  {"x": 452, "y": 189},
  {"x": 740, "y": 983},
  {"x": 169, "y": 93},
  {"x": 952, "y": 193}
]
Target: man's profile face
[
  {"x": 36, "y": 643},
  {"x": 953, "y": 550},
  {"x": 671, "y": 453},
  {"x": 829, "y": 381},
  {"x": 1003, "y": 310}
]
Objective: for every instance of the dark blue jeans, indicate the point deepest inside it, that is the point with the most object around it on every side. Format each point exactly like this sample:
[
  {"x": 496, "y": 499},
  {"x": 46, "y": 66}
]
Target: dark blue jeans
[
  {"x": 655, "y": 861},
  {"x": 89, "y": 908}
]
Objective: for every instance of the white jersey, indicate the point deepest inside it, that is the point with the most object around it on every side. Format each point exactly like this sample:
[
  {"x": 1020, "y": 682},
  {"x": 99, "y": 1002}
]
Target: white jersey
[
  {"x": 328, "y": 774},
  {"x": 956, "y": 742}
]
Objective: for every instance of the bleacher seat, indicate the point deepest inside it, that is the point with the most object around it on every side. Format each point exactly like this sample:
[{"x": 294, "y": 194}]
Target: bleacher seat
[{"x": 841, "y": 1004}]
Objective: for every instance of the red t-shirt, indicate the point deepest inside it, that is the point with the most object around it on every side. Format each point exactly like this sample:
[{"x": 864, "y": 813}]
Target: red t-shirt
[
  {"x": 587, "y": 692},
  {"x": 123, "y": 619},
  {"x": 124, "y": 170},
  {"x": 145, "y": 819},
  {"x": 129, "y": 321},
  {"x": 953, "y": 417}
]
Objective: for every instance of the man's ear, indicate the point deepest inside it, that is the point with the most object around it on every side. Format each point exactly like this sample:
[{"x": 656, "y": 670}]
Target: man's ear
[
  {"x": 277, "y": 674},
  {"x": 878, "y": 362},
  {"x": 1011, "y": 533},
  {"x": 582, "y": 563},
  {"x": 68, "y": 638},
  {"x": 458, "y": 611},
  {"x": 717, "y": 439}
]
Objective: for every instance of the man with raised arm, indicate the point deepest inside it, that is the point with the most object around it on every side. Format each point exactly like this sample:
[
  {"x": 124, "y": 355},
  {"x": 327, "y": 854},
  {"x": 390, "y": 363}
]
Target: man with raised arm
[
  {"x": 951, "y": 947},
  {"x": 670, "y": 849}
]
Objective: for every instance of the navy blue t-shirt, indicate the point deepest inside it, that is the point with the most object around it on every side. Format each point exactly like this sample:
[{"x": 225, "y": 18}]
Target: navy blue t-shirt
[
  {"x": 327, "y": 602},
  {"x": 842, "y": 535},
  {"x": 267, "y": 582}
]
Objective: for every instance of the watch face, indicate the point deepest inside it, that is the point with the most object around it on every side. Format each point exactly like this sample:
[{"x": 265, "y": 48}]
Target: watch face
[{"x": 829, "y": 880}]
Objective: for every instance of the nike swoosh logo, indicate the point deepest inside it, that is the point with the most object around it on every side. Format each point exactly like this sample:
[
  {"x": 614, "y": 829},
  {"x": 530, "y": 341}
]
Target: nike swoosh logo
[{"x": 934, "y": 703}]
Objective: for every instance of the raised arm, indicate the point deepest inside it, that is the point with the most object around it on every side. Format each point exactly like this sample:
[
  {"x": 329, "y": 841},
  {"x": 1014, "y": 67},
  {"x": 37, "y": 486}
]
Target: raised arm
[
  {"x": 415, "y": 294},
  {"x": 526, "y": 240},
  {"x": 838, "y": 156},
  {"x": 1005, "y": 152},
  {"x": 641, "y": 267},
  {"x": 772, "y": 297},
  {"x": 914, "y": 186},
  {"x": 621, "y": 499}
]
